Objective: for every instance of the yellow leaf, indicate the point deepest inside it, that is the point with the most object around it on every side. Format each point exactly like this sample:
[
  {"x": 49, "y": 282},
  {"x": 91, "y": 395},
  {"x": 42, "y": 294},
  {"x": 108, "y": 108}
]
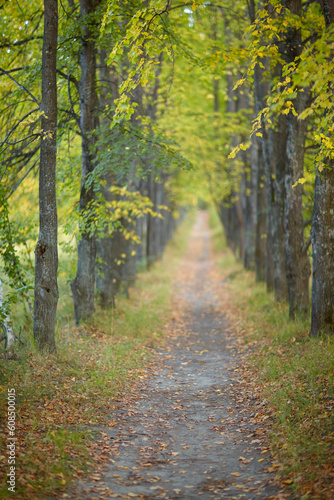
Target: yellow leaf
[{"x": 302, "y": 180}]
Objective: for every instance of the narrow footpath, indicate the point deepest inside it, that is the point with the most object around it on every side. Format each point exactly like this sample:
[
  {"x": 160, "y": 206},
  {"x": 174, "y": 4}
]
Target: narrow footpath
[{"x": 185, "y": 436}]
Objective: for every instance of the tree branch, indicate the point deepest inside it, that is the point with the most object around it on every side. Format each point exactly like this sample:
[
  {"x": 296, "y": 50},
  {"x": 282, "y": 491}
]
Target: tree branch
[
  {"x": 306, "y": 245},
  {"x": 17, "y": 69},
  {"x": 69, "y": 77},
  {"x": 21, "y": 148},
  {"x": 20, "y": 85},
  {"x": 24, "y": 139},
  {"x": 17, "y": 124},
  {"x": 71, "y": 103},
  {"x": 14, "y": 188},
  {"x": 20, "y": 42}
]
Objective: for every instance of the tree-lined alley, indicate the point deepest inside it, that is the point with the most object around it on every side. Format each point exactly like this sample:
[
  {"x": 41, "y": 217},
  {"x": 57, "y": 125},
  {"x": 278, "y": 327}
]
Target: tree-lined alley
[
  {"x": 117, "y": 118},
  {"x": 133, "y": 78}
]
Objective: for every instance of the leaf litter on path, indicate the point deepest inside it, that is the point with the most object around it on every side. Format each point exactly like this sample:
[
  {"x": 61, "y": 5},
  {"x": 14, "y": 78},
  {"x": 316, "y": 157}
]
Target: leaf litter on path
[{"x": 197, "y": 428}]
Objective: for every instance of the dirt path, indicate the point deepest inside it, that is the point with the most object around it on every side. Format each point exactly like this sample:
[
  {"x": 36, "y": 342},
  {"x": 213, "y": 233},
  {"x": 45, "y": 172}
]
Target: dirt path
[{"x": 185, "y": 437}]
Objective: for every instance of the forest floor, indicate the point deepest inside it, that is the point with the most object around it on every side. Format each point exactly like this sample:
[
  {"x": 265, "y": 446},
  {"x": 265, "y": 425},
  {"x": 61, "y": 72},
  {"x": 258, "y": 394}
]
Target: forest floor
[{"x": 195, "y": 426}]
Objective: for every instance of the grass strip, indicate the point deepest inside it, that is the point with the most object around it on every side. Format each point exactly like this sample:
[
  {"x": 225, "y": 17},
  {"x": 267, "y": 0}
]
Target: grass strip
[
  {"x": 293, "y": 372},
  {"x": 62, "y": 400}
]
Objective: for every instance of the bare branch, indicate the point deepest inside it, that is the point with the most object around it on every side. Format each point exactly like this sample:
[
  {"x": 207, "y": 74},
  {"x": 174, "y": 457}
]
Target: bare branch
[
  {"x": 20, "y": 85},
  {"x": 26, "y": 144},
  {"x": 14, "y": 188},
  {"x": 21, "y": 140},
  {"x": 17, "y": 69},
  {"x": 20, "y": 42},
  {"x": 306, "y": 245},
  {"x": 17, "y": 124},
  {"x": 69, "y": 77},
  {"x": 71, "y": 103},
  {"x": 19, "y": 157}
]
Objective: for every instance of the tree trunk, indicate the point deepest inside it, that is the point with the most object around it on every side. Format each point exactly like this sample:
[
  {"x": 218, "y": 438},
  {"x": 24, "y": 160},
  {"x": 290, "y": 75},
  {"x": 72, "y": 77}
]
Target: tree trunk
[
  {"x": 83, "y": 284},
  {"x": 164, "y": 221},
  {"x": 251, "y": 233},
  {"x": 297, "y": 262},
  {"x": 263, "y": 234},
  {"x": 251, "y": 203},
  {"x": 323, "y": 234},
  {"x": 152, "y": 237},
  {"x": 249, "y": 217},
  {"x": 261, "y": 89},
  {"x": 120, "y": 250},
  {"x": 140, "y": 232},
  {"x": 323, "y": 252},
  {"x": 105, "y": 283},
  {"x": 260, "y": 238},
  {"x": 267, "y": 149},
  {"x": 10, "y": 337},
  {"x": 46, "y": 252},
  {"x": 278, "y": 197},
  {"x": 151, "y": 245}
]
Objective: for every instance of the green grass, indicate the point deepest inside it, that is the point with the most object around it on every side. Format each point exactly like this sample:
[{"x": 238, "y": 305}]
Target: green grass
[
  {"x": 61, "y": 398},
  {"x": 295, "y": 373},
  {"x": 217, "y": 232}
]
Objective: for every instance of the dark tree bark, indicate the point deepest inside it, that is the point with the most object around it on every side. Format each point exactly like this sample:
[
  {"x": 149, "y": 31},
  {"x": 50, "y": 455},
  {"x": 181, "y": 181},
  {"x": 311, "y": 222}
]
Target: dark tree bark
[
  {"x": 106, "y": 285},
  {"x": 327, "y": 7},
  {"x": 323, "y": 233},
  {"x": 7, "y": 324},
  {"x": 251, "y": 204},
  {"x": 249, "y": 217},
  {"x": 260, "y": 239},
  {"x": 261, "y": 89},
  {"x": 267, "y": 152},
  {"x": 263, "y": 240},
  {"x": 231, "y": 210},
  {"x": 153, "y": 227},
  {"x": 164, "y": 221},
  {"x": 151, "y": 235},
  {"x": 273, "y": 148},
  {"x": 277, "y": 208},
  {"x": 46, "y": 252},
  {"x": 120, "y": 249},
  {"x": 134, "y": 184},
  {"x": 141, "y": 233},
  {"x": 247, "y": 198},
  {"x": 297, "y": 262},
  {"x": 84, "y": 282},
  {"x": 323, "y": 252}
]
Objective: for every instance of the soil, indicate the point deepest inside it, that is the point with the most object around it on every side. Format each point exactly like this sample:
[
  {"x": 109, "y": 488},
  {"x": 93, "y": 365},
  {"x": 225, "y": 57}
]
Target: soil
[{"x": 185, "y": 434}]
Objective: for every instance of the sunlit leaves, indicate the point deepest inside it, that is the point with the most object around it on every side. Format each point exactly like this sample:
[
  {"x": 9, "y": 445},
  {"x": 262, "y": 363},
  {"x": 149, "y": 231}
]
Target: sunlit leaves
[{"x": 311, "y": 71}]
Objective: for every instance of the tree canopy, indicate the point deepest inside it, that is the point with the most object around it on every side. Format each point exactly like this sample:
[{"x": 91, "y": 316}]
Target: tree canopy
[{"x": 159, "y": 106}]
